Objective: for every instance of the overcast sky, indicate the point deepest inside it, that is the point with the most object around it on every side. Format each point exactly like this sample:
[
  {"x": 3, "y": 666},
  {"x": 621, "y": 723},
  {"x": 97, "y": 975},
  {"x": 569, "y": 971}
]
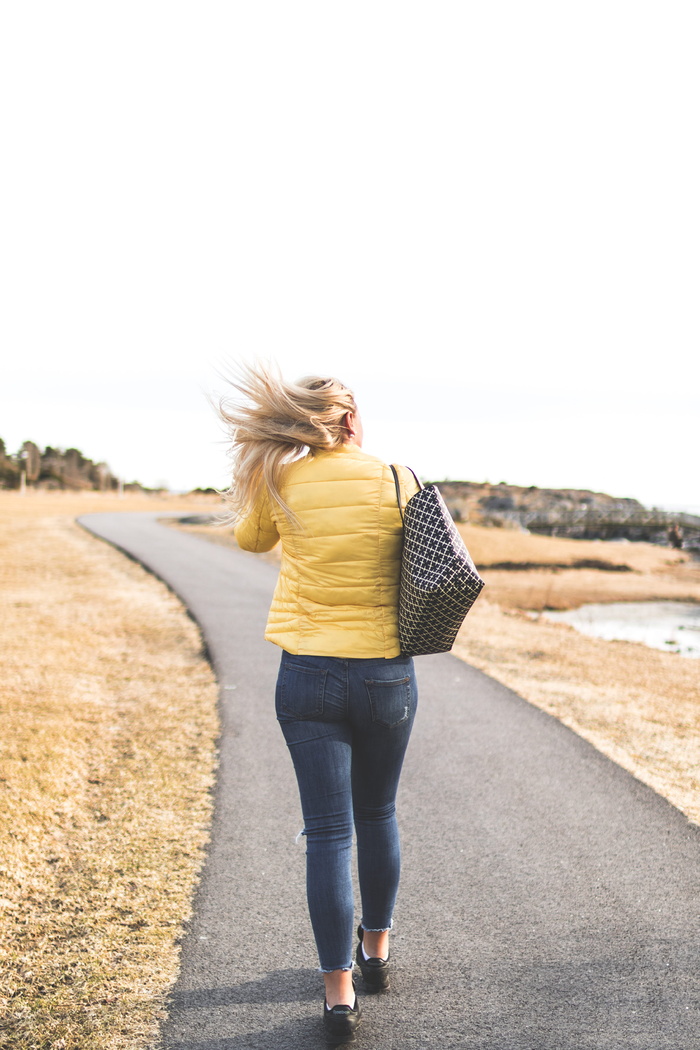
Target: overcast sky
[{"x": 484, "y": 217}]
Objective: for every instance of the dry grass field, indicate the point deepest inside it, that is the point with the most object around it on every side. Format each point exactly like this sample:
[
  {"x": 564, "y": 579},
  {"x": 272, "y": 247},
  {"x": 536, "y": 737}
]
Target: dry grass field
[
  {"x": 107, "y": 759},
  {"x": 636, "y": 705},
  {"x": 540, "y": 572}
]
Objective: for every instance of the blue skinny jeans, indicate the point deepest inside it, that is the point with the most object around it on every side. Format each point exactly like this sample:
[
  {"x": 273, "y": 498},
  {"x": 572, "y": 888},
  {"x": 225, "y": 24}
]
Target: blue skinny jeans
[{"x": 347, "y": 723}]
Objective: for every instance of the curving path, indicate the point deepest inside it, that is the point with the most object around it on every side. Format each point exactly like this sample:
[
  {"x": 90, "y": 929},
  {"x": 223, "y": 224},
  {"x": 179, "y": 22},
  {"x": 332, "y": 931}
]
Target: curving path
[{"x": 549, "y": 900}]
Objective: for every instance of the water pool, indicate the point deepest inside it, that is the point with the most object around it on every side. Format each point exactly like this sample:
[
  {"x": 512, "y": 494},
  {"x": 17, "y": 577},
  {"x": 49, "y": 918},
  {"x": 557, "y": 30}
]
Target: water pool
[{"x": 672, "y": 626}]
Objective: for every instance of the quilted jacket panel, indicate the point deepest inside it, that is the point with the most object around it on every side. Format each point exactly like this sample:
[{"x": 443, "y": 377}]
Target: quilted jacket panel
[{"x": 337, "y": 591}]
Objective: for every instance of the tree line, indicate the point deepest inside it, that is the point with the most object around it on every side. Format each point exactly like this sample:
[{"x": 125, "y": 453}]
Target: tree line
[{"x": 55, "y": 468}]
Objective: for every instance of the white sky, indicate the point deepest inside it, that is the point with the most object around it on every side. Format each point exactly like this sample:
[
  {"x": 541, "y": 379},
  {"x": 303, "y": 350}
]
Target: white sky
[{"x": 484, "y": 217}]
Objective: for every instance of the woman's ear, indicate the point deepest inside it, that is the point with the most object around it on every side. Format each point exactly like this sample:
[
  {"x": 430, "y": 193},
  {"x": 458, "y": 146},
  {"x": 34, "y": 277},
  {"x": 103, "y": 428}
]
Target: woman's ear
[{"x": 353, "y": 425}]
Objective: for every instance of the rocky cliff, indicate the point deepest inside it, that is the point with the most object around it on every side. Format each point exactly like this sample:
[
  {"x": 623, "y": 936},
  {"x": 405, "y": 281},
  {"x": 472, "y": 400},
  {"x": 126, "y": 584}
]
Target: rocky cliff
[
  {"x": 578, "y": 513},
  {"x": 502, "y": 504}
]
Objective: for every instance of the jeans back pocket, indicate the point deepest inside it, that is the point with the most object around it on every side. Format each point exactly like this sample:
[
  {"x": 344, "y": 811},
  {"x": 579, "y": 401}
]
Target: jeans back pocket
[
  {"x": 300, "y": 691},
  {"x": 390, "y": 701}
]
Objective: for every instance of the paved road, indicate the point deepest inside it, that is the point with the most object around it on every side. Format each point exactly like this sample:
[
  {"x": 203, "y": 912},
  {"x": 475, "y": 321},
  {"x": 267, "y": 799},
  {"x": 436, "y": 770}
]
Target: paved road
[{"x": 549, "y": 901}]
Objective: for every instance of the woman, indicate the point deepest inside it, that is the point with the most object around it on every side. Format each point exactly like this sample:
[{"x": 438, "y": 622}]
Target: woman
[{"x": 345, "y": 697}]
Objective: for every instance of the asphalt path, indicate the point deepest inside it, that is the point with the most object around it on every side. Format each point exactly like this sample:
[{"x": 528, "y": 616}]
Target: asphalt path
[{"x": 549, "y": 901}]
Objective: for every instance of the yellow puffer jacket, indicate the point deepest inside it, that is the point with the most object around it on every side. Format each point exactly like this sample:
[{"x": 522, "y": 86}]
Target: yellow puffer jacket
[{"x": 337, "y": 593}]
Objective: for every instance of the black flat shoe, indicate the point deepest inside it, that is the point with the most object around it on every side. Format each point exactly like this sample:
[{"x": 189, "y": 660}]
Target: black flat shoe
[
  {"x": 375, "y": 972},
  {"x": 341, "y": 1023}
]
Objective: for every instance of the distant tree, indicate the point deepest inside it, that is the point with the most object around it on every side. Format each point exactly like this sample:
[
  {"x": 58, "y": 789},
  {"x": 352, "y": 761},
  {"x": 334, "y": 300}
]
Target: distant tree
[
  {"x": 9, "y": 472},
  {"x": 100, "y": 476},
  {"x": 51, "y": 467},
  {"x": 31, "y": 460},
  {"x": 76, "y": 469}
]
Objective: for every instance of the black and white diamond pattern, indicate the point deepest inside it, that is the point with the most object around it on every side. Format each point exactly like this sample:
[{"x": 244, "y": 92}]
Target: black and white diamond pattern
[{"x": 439, "y": 583}]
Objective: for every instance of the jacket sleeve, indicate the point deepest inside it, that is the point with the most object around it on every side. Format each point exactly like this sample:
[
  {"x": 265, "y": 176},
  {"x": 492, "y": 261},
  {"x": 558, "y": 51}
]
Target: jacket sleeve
[{"x": 257, "y": 532}]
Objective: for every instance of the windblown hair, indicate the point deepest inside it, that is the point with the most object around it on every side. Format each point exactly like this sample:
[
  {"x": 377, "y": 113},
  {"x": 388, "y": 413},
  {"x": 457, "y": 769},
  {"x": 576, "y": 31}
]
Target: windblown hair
[{"x": 275, "y": 423}]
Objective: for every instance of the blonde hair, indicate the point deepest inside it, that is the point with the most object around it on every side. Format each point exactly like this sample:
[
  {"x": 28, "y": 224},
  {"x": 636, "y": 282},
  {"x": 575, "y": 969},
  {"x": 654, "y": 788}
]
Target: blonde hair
[{"x": 275, "y": 423}]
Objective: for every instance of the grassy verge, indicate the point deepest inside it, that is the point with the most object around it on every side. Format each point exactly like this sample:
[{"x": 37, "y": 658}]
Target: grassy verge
[
  {"x": 636, "y": 705},
  {"x": 108, "y": 752}
]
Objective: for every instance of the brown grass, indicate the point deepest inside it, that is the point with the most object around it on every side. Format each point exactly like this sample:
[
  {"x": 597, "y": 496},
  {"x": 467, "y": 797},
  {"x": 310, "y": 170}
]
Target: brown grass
[
  {"x": 490, "y": 547},
  {"x": 109, "y": 724},
  {"x": 556, "y": 573},
  {"x": 636, "y": 705}
]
